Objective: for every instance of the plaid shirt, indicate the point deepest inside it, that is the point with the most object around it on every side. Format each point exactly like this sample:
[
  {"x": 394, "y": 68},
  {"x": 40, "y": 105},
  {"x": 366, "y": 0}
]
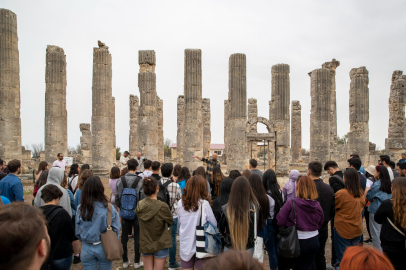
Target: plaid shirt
[
  {"x": 174, "y": 194},
  {"x": 210, "y": 165}
]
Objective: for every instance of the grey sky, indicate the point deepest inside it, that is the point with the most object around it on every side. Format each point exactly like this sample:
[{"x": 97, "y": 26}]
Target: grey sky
[{"x": 303, "y": 34}]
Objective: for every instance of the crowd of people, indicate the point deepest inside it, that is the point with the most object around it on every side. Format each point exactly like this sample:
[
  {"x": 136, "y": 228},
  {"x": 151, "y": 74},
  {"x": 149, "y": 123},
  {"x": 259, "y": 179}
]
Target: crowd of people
[{"x": 220, "y": 221}]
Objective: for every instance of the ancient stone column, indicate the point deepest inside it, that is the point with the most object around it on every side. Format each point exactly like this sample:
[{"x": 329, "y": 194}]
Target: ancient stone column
[
  {"x": 193, "y": 129},
  {"x": 296, "y": 130},
  {"x": 147, "y": 134},
  {"x": 226, "y": 116},
  {"x": 236, "y": 137},
  {"x": 332, "y": 66},
  {"x": 113, "y": 131},
  {"x": 358, "y": 137},
  {"x": 279, "y": 115},
  {"x": 10, "y": 121},
  {"x": 320, "y": 115},
  {"x": 56, "y": 122},
  {"x": 132, "y": 146},
  {"x": 101, "y": 110},
  {"x": 396, "y": 140},
  {"x": 86, "y": 144},
  {"x": 206, "y": 127},
  {"x": 253, "y": 113},
  {"x": 161, "y": 146},
  {"x": 181, "y": 129}
]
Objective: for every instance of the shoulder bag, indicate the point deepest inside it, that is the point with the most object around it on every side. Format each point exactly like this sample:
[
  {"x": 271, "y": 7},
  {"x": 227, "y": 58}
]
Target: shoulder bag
[
  {"x": 208, "y": 242},
  {"x": 111, "y": 245},
  {"x": 289, "y": 246},
  {"x": 259, "y": 243}
]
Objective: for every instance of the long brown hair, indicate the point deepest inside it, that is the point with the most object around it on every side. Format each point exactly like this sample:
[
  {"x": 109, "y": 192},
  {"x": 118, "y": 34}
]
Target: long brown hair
[
  {"x": 42, "y": 179},
  {"x": 239, "y": 212},
  {"x": 93, "y": 190},
  {"x": 195, "y": 190},
  {"x": 84, "y": 175},
  {"x": 259, "y": 191},
  {"x": 352, "y": 184},
  {"x": 306, "y": 189},
  {"x": 399, "y": 201},
  {"x": 364, "y": 258},
  {"x": 42, "y": 166},
  {"x": 218, "y": 175},
  {"x": 201, "y": 171}
]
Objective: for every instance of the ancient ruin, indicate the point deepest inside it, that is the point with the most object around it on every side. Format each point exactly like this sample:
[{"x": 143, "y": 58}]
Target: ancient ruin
[
  {"x": 253, "y": 113},
  {"x": 181, "y": 128},
  {"x": 161, "y": 149},
  {"x": 296, "y": 129},
  {"x": 85, "y": 144},
  {"x": 132, "y": 146},
  {"x": 206, "y": 126}
]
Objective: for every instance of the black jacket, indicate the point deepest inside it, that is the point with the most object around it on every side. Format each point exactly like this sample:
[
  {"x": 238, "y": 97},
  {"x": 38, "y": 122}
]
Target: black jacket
[
  {"x": 216, "y": 207},
  {"x": 157, "y": 176},
  {"x": 336, "y": 183},
  {"x": 60, "y": 227},
  {"x": 326, "y": 199}
]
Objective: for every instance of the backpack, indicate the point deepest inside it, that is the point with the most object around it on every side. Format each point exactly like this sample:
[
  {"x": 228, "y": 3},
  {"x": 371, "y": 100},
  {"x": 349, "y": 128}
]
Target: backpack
[
  {"x": 163, "y": 194},
  {"x": 128, "y": 199},
  {"x": 70, "y": 185}
]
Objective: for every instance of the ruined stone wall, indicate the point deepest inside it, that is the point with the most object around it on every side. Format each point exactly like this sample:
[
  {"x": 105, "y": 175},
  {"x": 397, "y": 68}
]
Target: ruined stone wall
[
  {"x": 161, "y": 146},
  {"x": 86, "y": 144},
  {"x": 193, "y": 128},
  {"x": 56, "y": 121},
  {"x": 206, "y": 127},
  {"x": 226, "y": 116},
  {"x": 236, "y": 138},
  {"x": 10, "y": 121},
  {"x": 147, "y": 134},
  {"x": 101, "y": 110},
  {"x": 253, "y": 128},
  {"x": 396, "y": 140},
  {"x": 280, "y": 116},
  {"x": 320, "y": 115},
  {"x": 132, "y": 146},
  {"x": 181, "y": 129},
  {"x": 358, "y": 137},
  {"x": 296, "y": 129}
]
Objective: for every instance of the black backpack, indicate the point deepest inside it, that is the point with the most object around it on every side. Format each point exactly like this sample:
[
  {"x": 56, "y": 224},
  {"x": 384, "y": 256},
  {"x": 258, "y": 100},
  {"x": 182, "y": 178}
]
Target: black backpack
[
  {"x": 163, "y": 194},
  {"x": 277, "y": 208},
  {"x": 70, "y": 185}
]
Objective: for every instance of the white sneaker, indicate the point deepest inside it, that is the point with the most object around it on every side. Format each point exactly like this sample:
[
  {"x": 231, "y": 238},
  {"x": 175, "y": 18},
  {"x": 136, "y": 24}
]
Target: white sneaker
[
  {"x": 125, "y": 264},
  {"x": 138, "y": 265}
]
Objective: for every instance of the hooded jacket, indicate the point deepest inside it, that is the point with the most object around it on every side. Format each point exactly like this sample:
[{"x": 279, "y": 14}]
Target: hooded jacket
[
  {"x": 155, "y": 220},
  {"x": 336, "y": 183},
  {"x": 289, "y": 189},
  {"x": 55, "y": 177}
]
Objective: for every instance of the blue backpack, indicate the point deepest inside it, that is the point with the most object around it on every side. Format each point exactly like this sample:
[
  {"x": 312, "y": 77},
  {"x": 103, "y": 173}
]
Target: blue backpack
[{"x": 128, "y": 199}]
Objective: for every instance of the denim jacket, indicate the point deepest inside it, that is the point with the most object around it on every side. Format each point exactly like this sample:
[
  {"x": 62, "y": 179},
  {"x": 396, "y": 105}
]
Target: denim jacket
[
  {"x": 72, "y": 202},
  {"x": 89, "y": 231},
  {"x": 377, "y": 196}
]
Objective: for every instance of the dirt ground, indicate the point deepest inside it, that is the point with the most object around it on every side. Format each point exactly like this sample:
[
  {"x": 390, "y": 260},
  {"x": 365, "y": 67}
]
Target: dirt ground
[{"x": 28, "y": 197}]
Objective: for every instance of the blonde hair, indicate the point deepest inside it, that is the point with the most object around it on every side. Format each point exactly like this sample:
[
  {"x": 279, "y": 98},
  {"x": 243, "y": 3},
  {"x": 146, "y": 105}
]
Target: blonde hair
[
  {"x": 399, "y": 201},
  {"x": 306, "y": 189}
]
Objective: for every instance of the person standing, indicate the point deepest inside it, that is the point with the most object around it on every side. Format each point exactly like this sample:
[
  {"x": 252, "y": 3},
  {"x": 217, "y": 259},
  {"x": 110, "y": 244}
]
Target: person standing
[
  {"x": 392, "y": 166},
  {"x": 3, "y": 167},
  {"x": 114, "y": 176},
  {"x": 73, "y": 177},
  {"x": 183, "y": 177},
  {"x": 154, "y": 217},
  {"x": 403, "y": 159},
  {"x": 211, "y": 163},
  {"x": 402, "y": 169},
  {"x": 43, "y": 166},
  {"x": 140, "y": 159},
  {"x": 253, "y": 167},
  {"x": 156, "y": 166},
  {"x": 385, "y": 160},
  {"x": 124, "y": 159},
  {"x": 289, "y": 189},
  {"x": 223, "y": 197},
  {"x": 356, "y": 164},
  {"x": 11, "y": 186},
  {"x": 217, "y": 177},
  {"x": 60, "y": 162}
]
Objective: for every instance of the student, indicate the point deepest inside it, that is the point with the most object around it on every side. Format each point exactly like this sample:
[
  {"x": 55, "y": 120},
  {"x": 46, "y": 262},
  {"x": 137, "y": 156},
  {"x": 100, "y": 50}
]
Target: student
[
  {"x": 246, "y": 173},
  {"x": 391, "y": 215},
  {"x": 176, "y": 172},
  {"x": 289, "y": 189},
  {"x": 349, "y": 204},
  {"x": 156, "y": 166},
  {"x": 356, "y": 164},
  {"x": 369, "y": 174},
  {"x": 60, "y": 228},
  {"x": 237, "y": 220},
  {"x": 190, "y": 216},
  {"x": 23, "y": 228},
  {"x": 154, "y": 217},
  {"x": 234, "y": 260},
  {"x": 381, "y": 190},
  {"x": 42, "y": 180},
  {"x": 73, "y": 177},
  {"x": 201, "y": 171},
  {"x": 84, "y": 175},
  {"x": 11, "y": 186},
  {"x": 392, "y": 166},
  {"x": 183, "y": 177},
  {"x": 309, "y": 219},
  {"x": 43, "y": 166},
  {"x": 234, "y": 174},
  {"x": 253, "y": 167},
  {"x": 147, "y": 169},
  {"x": 91, "y": 222},
  {"x": 385, "y": 160},
  {"x": 114, "y": 175},
  {"x": 217, "y": 177},
  {"x": 365, "y": 258},
  {"x": 222, "y": 199}
]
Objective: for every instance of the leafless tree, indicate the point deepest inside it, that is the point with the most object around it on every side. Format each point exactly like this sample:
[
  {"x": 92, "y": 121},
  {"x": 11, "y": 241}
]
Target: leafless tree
[{"x": 35, "y": 148}]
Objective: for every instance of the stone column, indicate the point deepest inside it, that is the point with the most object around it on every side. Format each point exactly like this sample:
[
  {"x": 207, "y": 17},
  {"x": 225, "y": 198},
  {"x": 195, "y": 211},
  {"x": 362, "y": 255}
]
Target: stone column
[
  {"x": 358, "y": 137},
  {"x": 147, "y": 135},
  {"x": 10, "y": 121},
  {"x": 332, "y": 66},
  {"x": 132, "y": 146},
  {"x": 296, "y": 139},
  {"x": 193, "y": 135},
  {"x": 101, "y": 110},
  {"x": 396, "y": 140},
  {"x": 279, "y": 115},
  {"x": 226, "y": 116},
  {"x": 253, "y": 113},
  {"x": 206, "y": 127},
  {"x": 161, "y": 146},
  {"x": 56, "y": 122},
  {"x": 113, "y": 131},
  {"x": 320, "y": 115},
  {"x": 181, "y": 129},
  {"x": 236, "y": 137},
  {"x": 86, "y": 144}
]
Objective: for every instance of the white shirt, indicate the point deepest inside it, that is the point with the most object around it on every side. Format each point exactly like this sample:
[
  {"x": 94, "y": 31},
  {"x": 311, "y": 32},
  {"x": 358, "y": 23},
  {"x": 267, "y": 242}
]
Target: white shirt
[
  {"x": 369, "y": 183},
  {"x": 74, "y": 182},
  {"x": 187, "y": 222},
  {"x": 271, "y": 206},
  {"x": 123, "y": 162},
  {"x": 390, "y": 173},
  {"x": 60, "y": 163},
  {"x": 306, "y": 234}
]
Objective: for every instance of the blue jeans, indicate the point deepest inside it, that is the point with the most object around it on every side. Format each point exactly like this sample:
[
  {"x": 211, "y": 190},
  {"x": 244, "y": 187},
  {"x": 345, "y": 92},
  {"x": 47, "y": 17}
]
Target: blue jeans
[
  {"x": 163, "y": 253},
  {"x": 341, "y": 244},
  {"x": 62, "y": 264},
  {"x": 91, "y": 255},
  {"x": 172, "y": 250},
  {"x": 271, "y": 244}
]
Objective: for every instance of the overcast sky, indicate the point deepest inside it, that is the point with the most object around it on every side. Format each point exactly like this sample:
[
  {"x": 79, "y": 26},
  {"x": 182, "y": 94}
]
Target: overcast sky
[{"x": 303, "y": 34}]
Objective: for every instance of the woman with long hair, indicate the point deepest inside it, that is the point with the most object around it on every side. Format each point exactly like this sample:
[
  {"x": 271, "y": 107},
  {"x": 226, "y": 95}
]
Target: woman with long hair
[
  {"x": 234, "y": 174},
  {"x": 274, "y": 193},
  {"x": 369, "y": 174},
  {"x": 217, "y": 177},
  {"x": 114, "y": 175},
  {"x": 309, "y": 219},
  {"x": 365, "y": 258},
  {"x": 91, "y": 222},
  {"x": 84, "y": 175},
  {"x": 381, "y": 190},
  {"x": 392, "y": 216},
  {"x": 237, "y": 221},
  {"x": 176, "y": 172},
  {"x": 183, "y": 177},
  {"x": 73, "y": 177},
  {"x": 202, "y": 172},
  {"x": 223, "y": 197},
  {"x": 42, "y": 180},
  {"x": 349, "y": 204},
  {"x": 43, "y": 166},
  {"x": 189, "y": 216},
  {"x": 263, "y": 201}
]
